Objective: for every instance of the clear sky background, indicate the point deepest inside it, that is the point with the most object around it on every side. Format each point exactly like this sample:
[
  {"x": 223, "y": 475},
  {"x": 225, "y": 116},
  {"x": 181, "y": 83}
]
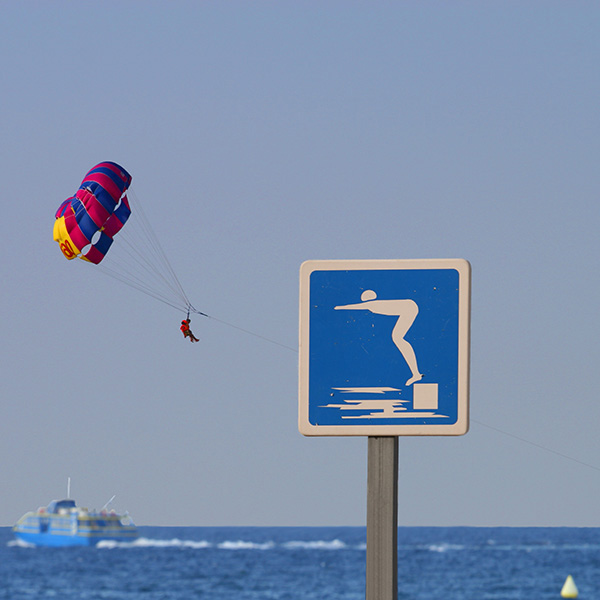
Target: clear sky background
[{"x": 259, "y": 135}]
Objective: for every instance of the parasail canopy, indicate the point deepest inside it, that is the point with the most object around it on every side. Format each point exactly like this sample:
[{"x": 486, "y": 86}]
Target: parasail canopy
[{"x": 87, "y": 222}]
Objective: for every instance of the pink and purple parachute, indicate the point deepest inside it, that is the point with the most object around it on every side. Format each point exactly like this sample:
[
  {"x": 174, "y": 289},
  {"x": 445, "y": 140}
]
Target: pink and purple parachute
[{"x": 87, "y": 222}]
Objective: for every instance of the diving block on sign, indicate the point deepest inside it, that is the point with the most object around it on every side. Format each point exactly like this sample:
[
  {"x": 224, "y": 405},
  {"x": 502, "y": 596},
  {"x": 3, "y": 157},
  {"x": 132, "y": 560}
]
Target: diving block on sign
[{"x": 425, "y": 396}]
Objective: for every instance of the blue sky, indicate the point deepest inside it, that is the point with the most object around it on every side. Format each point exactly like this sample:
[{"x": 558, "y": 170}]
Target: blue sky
[{"x": 260, "y": 135}]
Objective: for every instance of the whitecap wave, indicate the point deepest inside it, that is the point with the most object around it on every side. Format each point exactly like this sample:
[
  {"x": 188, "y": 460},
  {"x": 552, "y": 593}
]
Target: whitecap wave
[
  {"x": 154, "y": 543},
  {"x": 444, "y": 547},
  {"x": 242, "y": 545},
  {"x": 20, "y": 544},
  {"x": 316, "y": 545},
  {"x": 172, "y": 543},
  {"x": 143, "y": 542}
]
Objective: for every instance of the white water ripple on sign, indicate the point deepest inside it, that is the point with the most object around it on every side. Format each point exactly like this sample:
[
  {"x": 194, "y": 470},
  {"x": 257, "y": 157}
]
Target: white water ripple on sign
[
  {"x": 377, "y": 408},
  {"x": 366, "y": 390}
]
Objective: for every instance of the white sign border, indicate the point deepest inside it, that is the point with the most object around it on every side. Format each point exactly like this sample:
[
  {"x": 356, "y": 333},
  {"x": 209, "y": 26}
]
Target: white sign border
[{"x": 461, "y": 426}]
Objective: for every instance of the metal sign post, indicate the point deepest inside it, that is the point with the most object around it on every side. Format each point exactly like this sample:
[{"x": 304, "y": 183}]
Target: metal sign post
[
  {"x": 382, "y": 519},
  {"x": 384, "y": 352}
]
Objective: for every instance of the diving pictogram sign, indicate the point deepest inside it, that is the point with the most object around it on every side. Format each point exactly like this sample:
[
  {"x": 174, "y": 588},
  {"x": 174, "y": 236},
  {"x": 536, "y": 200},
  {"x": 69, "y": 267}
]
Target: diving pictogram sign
[{"x": 384, "y": 347}]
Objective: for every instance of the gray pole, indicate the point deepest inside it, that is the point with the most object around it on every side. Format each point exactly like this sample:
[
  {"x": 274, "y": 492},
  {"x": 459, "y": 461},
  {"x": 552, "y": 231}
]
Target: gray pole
[{"x": 382, "y": 519}]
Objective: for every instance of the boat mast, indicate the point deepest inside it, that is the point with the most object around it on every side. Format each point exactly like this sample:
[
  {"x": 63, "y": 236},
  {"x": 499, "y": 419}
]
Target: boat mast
[
  {"x": 106, "y": 505},
  {"x": 68, "y": 488}
]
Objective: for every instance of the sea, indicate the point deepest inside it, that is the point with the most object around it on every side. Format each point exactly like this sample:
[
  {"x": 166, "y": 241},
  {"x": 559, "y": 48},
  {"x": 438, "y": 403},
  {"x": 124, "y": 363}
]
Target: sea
[{"x": 305, "y": 563}]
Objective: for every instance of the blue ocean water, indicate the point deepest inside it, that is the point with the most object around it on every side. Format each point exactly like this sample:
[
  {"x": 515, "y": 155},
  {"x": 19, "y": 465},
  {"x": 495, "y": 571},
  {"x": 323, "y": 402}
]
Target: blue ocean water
[{"x": 285, "y": 563}]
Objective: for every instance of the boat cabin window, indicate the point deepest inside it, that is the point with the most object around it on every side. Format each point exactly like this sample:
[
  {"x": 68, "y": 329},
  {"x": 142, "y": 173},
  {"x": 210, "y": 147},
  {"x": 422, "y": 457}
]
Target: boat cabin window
[{"x": 56, "y": 505}]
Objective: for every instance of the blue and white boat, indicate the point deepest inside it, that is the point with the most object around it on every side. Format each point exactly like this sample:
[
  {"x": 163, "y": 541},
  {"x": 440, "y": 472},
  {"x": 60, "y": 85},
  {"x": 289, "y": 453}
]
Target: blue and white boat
[{"x": 63, "y": 523}]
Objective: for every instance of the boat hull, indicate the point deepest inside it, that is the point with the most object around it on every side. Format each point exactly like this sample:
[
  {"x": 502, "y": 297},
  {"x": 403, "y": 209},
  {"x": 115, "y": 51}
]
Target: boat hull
[{"x": 63, "y": 540}]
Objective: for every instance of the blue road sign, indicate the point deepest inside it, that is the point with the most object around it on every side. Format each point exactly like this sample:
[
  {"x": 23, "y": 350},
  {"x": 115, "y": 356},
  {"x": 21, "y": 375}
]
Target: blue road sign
[{"x": 384, "y": 347}]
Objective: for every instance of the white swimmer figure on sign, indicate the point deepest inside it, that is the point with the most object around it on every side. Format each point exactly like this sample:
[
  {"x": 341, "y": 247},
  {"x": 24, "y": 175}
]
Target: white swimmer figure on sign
[{"x": 406, "y": 311}]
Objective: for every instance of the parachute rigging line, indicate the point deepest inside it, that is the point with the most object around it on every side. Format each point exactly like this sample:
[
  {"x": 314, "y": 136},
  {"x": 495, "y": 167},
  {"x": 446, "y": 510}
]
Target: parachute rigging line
[
  {"x": 139, "y": 260},
  {"x": 257, "y": 335},
  {"x": 526, "y": 441}
]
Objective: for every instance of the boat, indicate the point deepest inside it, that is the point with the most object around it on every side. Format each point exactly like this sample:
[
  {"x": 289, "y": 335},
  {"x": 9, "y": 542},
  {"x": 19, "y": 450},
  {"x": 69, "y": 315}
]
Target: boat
[{"x": 63, "y": 523}]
